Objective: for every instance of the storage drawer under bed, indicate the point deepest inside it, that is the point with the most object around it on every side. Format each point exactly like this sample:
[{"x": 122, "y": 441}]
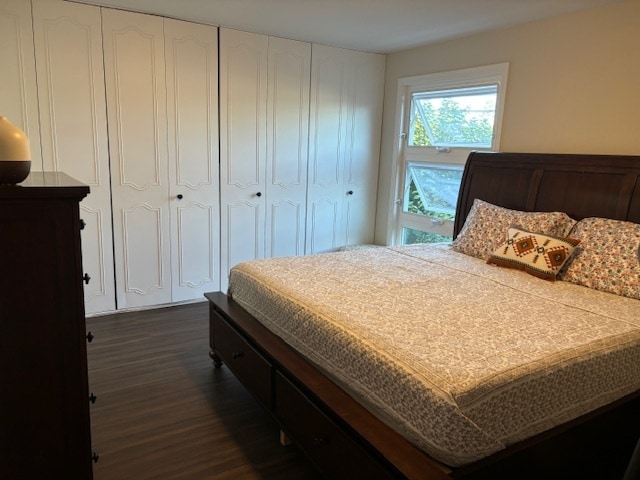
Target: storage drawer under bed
[
  {"x": 328, "y": 446},
  {"x": 249, "y": 366}
]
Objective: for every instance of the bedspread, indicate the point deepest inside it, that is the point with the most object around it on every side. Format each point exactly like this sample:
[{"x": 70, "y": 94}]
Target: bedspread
[{"x": 460, "y": 357}]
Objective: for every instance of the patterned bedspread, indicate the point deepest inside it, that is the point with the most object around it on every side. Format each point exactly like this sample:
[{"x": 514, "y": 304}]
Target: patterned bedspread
[{"x": 460, "y": 357}]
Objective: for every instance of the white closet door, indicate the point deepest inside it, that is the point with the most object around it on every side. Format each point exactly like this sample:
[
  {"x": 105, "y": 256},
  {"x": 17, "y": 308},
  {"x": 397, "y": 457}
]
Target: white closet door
[
  {"x": 362, "y": 156},
  {"x": 68, "y": 41},
  {"x": 18, "y": 93},
  {"x": 243, "y": 105},
  {"x": 327, "y": 146},
  {"x": 136, "y": 107},
  {"x": 191, "y": 52},
  {"x": 346, "y": 118},
  {"x": 289, "y": 70}
]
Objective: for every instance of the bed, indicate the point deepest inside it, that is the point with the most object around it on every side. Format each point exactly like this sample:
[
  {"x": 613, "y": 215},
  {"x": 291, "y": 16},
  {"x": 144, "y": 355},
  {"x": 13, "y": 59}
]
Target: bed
[{"x": 512, "y": 376}]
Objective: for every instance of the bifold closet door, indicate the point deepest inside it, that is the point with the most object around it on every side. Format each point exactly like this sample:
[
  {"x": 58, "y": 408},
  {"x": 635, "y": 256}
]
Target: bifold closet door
[
  {"x": 191, "y": 53},
  {"x": 18, "y": 92},
  {"x": 362, "y": 155},
  {"x": 289, "y": 71},
  {"x": 264, "y": 99},
  {"x": 73, "y": 119},
  {"x": 329, "y": 121},
  {"x": 243, "y": 108},
  {"x": 136, "y": 107},
  {"x": 344, "y": 147}
]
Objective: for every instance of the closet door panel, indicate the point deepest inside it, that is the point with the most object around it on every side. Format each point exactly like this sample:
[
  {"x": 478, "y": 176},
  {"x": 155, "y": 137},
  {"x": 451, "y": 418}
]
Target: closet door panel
[
  {"x": 136, "y": 106},
  {"x": 69, "y": 62},
  {"x": 323, "y": 225},
  {"x": 244, "y": 232},
  {"x": 195, "y": 258},
  {"x": 363, "y": 152},
  {"x": 18, "y": 92},
  {"x": 243, "y": 105},
  {"x": 286, "y": 228},
  {"x": 191, "y": 53},
  {"x": 289, "y": 68},
  {"x": 328, "y": 137},
  {"x": 141, "y": 250},
  {"x": 243, "y": 85},
  {"x": 328, "y": 122}
]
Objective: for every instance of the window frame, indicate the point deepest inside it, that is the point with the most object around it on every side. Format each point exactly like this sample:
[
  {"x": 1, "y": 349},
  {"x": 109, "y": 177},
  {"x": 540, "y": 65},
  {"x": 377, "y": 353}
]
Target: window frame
[{"x": 437, "y": 156}]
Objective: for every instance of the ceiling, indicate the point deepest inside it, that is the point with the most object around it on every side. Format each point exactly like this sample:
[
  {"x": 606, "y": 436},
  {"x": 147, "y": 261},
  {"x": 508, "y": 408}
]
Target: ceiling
[{"x": 381, "y": 26}]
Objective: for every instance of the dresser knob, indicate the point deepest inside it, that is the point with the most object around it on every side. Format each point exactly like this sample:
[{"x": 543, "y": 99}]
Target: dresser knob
[
  {"x": 92, "y": 398},
  {"x": 86, "y": 278},
  {"x": 350, "y": 192},
  {"x": 259, "y": 194},
  {"x": 95, "y": 457},
  {"x": 319, "y": 442},
  {"x": 236, "y": 355},
  {"x": 82, "y": 224},
  {"x": 90, "y": 337},
  {"x": 179, "y": 196}
]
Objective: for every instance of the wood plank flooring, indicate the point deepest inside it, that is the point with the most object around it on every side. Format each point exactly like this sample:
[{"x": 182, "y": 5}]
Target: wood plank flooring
[{"x": 163, "y": 412}]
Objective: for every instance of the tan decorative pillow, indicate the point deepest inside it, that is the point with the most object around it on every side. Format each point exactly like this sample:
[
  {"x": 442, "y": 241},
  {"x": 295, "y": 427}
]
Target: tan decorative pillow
[
  {"x": 483, "y": 230},
  {"x": 539, "y": 255},
  {"x": 608, "y": 258}
]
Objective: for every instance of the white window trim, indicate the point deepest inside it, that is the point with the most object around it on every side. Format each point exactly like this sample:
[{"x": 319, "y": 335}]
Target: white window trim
[{"x": 496, "y": 73}]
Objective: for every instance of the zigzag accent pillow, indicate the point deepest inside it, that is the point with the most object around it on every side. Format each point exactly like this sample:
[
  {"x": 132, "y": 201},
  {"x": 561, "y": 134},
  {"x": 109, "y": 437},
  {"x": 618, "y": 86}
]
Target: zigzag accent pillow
[
  {"x": 486, "y": 223},
  {"x": 539, "y": 255}
]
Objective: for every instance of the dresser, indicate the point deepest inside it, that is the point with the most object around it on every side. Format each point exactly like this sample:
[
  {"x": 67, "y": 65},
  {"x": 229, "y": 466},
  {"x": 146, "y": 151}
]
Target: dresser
[{"x": 44, "y": 397}]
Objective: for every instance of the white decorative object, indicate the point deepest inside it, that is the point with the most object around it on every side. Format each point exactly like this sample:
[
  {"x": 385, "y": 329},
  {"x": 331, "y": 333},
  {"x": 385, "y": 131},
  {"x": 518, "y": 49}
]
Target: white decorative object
[{"x": 15, "y": 154}]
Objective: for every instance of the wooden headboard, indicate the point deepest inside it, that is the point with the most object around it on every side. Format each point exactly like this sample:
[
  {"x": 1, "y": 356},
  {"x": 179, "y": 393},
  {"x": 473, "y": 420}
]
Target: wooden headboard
[{"x": 579, "y": 185}]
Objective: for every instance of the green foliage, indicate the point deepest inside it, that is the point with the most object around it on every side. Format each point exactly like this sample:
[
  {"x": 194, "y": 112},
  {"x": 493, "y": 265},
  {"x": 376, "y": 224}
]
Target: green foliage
[
  {"x": 415, "y": 205},
  {"x": 420, "y": 137},
  {"x": 411, "y": 236},
  {"x": 451, "y": 124}
]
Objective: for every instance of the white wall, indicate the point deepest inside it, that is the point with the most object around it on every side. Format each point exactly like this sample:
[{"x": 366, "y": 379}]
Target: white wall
[{"x": 574, "y": 85}]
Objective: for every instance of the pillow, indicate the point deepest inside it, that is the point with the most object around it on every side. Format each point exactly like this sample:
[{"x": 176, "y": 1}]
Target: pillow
[
  {"x": 483, "y": 230},
  {"x": 608, "y": 258},
  {"x": 539, "y": 255}
]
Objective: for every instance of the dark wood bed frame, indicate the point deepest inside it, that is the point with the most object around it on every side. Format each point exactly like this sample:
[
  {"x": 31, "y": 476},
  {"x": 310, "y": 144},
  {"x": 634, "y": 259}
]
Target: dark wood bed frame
[{"x": 346, "y": 441}]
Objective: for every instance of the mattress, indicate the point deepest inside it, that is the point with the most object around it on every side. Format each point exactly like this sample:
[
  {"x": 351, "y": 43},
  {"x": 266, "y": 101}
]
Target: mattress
[{"x": 460, "y": 357}]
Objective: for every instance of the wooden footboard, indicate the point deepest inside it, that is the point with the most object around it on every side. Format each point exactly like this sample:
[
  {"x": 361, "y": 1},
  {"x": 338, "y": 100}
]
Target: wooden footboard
[{"x": 346, "y": 441}]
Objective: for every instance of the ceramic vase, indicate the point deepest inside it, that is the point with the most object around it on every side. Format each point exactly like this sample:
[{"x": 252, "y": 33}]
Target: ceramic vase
[{"x": 15, "y": 154}]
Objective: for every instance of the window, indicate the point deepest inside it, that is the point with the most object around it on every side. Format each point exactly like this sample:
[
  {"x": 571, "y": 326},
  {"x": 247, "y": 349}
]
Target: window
[
  {"x": 462, "y": 117},
  {"x": 443, "y": 117},
  {"x": 432, "y": 192}
]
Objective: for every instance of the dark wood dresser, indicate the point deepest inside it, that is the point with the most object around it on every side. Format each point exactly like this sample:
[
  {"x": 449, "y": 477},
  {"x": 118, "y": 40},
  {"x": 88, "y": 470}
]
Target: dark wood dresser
[{"x": 44, "y": 398}]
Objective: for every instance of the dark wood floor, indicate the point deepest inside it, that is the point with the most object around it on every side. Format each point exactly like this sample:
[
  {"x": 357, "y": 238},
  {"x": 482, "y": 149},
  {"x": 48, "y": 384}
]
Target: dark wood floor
[{"x": 163, "y": 411}]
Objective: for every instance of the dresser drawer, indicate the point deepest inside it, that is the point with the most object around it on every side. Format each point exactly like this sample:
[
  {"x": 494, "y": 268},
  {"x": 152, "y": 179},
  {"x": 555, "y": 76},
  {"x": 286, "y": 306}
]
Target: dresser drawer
[
  {"x": 337, "y": 455},
  {"x": 251, "y": 368}
]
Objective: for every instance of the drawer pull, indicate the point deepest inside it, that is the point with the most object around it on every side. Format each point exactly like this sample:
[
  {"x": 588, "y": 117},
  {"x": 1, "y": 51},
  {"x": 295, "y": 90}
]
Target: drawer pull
[
  {"x": 236, "y": 355},
  {"x": 90, "y": 337},
  {"x": 86, "y": 278},
  {"x": 92, "y": 398},
  {"x": 82, "y": 224},
  {"x": 319, "y": 442},
  {"x": 95, "y": 457}
]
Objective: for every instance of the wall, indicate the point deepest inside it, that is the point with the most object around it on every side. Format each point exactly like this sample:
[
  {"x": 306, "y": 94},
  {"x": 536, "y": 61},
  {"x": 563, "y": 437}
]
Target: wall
[{"x": 574, "y": 85}]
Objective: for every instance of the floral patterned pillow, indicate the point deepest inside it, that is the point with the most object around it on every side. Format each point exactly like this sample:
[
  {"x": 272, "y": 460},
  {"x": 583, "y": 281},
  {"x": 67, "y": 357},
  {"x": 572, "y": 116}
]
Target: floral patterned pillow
[
  {"x": 608, "y": 257},
  {"x": 539, "y": 255},
  {"x": 485, "y": 228}
]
